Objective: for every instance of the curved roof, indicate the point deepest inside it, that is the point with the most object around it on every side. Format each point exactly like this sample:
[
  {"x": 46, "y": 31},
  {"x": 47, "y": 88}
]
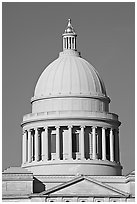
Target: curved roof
[{"x": 69, "y": 75}]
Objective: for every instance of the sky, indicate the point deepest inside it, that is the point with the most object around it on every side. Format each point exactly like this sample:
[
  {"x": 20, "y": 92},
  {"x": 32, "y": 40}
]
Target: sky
[{"x": 32, "y": 39}]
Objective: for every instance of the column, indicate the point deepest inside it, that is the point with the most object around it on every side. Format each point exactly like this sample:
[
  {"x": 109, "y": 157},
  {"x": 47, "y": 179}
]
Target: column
[
  {"x": 74, "y": 43},
  {"x": 90, "y": 145},
  {"x": 36, "y": 145},
  {"x": 24, "y": 147},
  {"x": 111, "y": 145},
  {"x": 46, "y": 144},
  {"x": 43, "y": 145},
  {"x": 57, "y": 143},
  {"x": 94, "y": 142},
  {"x": 103, "y": 144},
  {"x": 70, "y": 142},
  {"x": 32, "y": 146},
  {"x": 82, "y": 143},
  {"x": 29, "y": 146},
  {"x": 117, "y": 145}
]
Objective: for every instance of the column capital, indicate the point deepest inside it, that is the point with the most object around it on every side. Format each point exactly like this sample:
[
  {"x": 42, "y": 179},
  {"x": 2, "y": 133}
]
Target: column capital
[
  {"x": 82, "y": 126},
  {"x": 57, "y": 126},
  {"x": 31, "y": 130},
  {"x": 24, "y": 131},
  {"x": 111, "y": 129},
  {"x": 105, "y": 128},
  {"x": 93, "y": 126},
  {"x": 38, "y": 129},
  {"x": 70, "y": 126},
  {"x": 45, "y": 127}
]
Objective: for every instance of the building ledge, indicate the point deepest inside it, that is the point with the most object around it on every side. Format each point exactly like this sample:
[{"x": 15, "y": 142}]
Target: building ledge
[{"x": 58, "y": 115}]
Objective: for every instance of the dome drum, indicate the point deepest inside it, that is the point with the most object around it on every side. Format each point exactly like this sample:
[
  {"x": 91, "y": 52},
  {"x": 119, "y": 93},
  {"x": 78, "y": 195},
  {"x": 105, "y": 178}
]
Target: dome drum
[{"x": 71, "y": 103}]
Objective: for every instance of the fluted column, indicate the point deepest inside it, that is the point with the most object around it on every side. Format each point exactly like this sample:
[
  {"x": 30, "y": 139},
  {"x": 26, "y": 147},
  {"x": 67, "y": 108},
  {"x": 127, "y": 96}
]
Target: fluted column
[
  {"x": 70, "y": 142},
  {"x": 103, "y": 144},
  {"x": 24, "y": 147},
  {"x": 111, "y": 145},
  {"x": 29, "y": 146},
  {"x": 82, "y": 143},
  {"x": 94, "y": 156},
  {"x": 57, "y": 143},
  {"x": 36, "y": 145}
]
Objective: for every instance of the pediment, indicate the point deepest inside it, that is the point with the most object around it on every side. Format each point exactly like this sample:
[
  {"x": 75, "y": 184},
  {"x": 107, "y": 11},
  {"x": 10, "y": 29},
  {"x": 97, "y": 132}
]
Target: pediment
[{"x": 83, "y": 186}]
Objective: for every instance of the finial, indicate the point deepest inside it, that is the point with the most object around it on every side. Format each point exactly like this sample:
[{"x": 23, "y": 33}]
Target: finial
[
  {"x": 69, "y": 28},
  {"x": 69, "y": 22}
]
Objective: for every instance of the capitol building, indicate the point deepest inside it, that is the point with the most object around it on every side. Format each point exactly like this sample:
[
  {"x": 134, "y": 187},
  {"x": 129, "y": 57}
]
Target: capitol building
[{"x": 70, "y": 140}]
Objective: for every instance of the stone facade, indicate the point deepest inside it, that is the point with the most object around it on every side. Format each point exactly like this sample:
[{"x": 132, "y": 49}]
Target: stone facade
[{"x": 70, "y": 141}]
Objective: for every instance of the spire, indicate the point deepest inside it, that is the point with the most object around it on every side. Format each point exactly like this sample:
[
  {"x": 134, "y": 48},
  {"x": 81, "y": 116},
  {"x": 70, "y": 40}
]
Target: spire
[{"x": 69, "y": 37}]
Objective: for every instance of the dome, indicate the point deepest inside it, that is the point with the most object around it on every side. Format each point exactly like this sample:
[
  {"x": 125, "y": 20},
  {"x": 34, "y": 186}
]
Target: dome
[
  {"x": 70, "y": 126},
  {"x": 69, "y": 75}
]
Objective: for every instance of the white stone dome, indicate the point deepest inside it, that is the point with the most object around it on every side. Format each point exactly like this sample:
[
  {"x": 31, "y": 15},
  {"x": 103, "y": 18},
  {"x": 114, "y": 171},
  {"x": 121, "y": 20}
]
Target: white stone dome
[{"x": 69, "y": 75}]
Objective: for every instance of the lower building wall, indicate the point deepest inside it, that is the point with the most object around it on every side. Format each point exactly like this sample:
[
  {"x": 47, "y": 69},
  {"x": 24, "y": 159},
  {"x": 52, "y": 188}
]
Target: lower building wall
[
  {"x": 16, "y": 187},
  {"x": 68, "y": 199},
  {"x": 88, "y": 199}
]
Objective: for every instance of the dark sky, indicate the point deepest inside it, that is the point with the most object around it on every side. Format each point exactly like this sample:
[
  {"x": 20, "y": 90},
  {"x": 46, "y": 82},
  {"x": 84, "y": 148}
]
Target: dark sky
[{"x": 32, "y": 38}]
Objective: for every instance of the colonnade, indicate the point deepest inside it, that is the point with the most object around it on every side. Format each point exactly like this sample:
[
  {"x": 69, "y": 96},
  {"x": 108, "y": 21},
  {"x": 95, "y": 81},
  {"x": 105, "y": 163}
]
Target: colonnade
[
  {"x": 103, "y": 145},
  {"x": 69, "y": 42}
]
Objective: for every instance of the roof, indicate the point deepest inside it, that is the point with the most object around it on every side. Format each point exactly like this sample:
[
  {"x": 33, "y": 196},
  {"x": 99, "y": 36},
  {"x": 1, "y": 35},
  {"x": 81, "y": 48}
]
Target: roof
[
  {"x": 16, "y": 170},
  {"x": 83, "y": 185},
  {"x": 69, "y": 75}
]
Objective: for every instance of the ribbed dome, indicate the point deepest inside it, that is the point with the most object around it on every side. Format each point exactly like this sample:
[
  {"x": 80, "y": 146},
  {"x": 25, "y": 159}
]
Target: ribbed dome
[{"x": 69, "y": 74}]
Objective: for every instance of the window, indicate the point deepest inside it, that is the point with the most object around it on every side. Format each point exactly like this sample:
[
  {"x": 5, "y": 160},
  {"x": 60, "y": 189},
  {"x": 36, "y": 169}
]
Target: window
[
  {"x": 67, "y": 200},
  {"x": 114, "y": 199},
  {"x": 98, "y": 200}
]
